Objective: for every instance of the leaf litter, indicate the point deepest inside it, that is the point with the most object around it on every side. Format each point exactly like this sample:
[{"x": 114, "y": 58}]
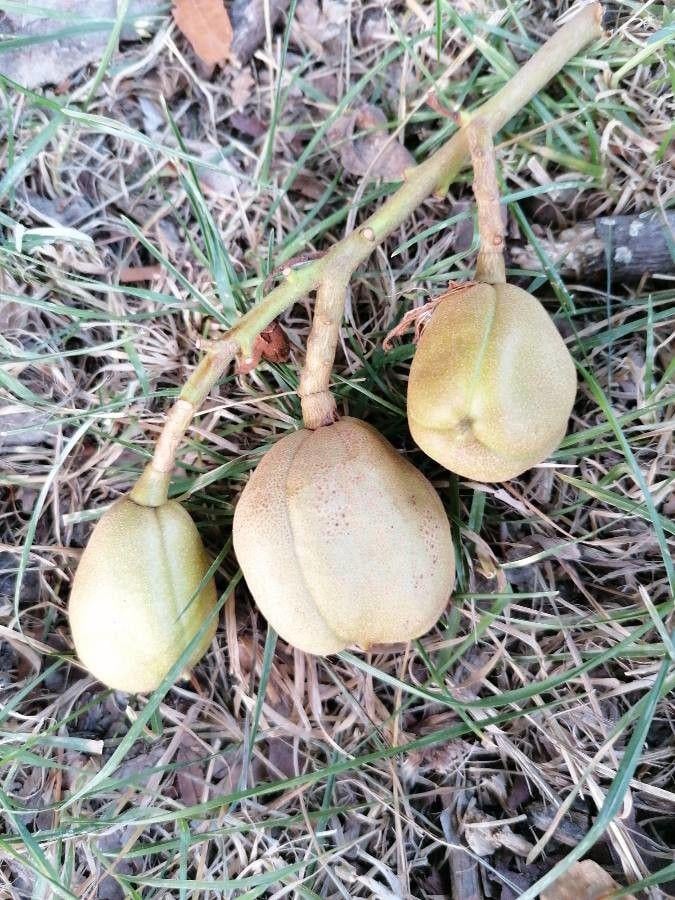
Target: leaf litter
[{"x": 78, "y": 345}]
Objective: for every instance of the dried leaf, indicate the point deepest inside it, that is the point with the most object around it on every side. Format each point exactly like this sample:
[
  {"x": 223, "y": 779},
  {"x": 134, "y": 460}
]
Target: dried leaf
[
  {"x": 271, "y": 345},
  {"x": 373, "y": 29},
  {"x": 372, "y": 151},
  {"x": 51, "y": 61},
  {"x": 249, "y": 125},
  {"x": 206, "y": 25},
  {"x": 249, "y": 23},
  {"x": 316, "y": 26},
  {"x": 569, "y": 830},
  {"x": 241, "y": 88},
  {"x": 277, "y": 760},
  {"x": 60, "y": 211},
  {"x": 464, "y": 874},
  {"x": 496, "y": 788},
  {"x": 484, "y": 835},
  {"x": 309, "y": 186},
  {"x": 221, "y": 182},
  {"x": 153, "y": 117},
  {"x": 189, "y": 777},
  {"x": 583, "y": 881},
  {"x": 518, "y": 845},
  {"x": 30, "y": 661},
  {"x": 482, "y": 841}
]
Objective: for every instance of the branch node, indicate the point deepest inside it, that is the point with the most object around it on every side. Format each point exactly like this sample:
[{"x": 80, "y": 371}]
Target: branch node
[
  {"x": 461, "y": 118},
  {"x": 246, "y": 364}
]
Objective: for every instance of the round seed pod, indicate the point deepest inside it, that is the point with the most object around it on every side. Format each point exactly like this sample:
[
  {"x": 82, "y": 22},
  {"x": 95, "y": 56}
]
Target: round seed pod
[
  {"x": 342, "y": 541},
  {"x": 132, "y": 606},
  {"x": 492, "y": 383}
]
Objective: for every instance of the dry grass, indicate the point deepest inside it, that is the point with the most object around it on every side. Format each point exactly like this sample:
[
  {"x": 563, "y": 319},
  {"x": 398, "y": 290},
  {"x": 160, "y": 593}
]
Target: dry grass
[{"x": 536, "y": 715}]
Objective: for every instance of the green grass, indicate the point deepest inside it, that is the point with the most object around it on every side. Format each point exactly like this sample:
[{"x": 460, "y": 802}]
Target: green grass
[{"x": 268, "y": 770}]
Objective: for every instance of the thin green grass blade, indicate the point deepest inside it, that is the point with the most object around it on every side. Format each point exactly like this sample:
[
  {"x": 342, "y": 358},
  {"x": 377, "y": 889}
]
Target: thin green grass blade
[
  {"x": 111, "y": 47},
  {"x": 21, "y": 163},
  {"x": 505, "y": 698},
  {"x": 34, "y": 858},
  {"x": 276, "y": 106},
  {"x": 654, "y": 517},
  {"x": 219, "y": 260},
  {"x": 70, "y": 444},
  {"x": 663, "y": 876},
  {"x": 266, "y": 671},
  {"x": 614, "y": 799}
]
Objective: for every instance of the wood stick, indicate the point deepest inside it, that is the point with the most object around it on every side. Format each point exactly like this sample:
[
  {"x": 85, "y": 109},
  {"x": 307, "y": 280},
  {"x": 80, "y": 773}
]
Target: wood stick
[{"x": 630, "y": 247}]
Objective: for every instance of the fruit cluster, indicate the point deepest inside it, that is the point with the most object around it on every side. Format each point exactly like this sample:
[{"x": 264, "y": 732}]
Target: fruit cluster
[{"x": 342, "y": 541}]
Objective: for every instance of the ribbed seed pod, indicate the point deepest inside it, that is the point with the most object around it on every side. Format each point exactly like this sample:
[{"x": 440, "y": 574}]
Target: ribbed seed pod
[
  {"x": 132, "y": 610},
  {"x": 342, "y": 541},
  {"x": 492, "y": 383}
]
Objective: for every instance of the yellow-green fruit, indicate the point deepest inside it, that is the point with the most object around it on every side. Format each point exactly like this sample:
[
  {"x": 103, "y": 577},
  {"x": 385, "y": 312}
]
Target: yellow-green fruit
[
  {"x": 491, "y": 385},
  {"x": 342, "y": 541},
  {"x": 131, "y": 608}
]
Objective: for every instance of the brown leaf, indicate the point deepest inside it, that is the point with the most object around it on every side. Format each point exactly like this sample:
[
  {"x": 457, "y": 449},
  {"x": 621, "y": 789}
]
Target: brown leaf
[
  {"x": 366, "y": 146},
  {"x": 309, "y": 186},
  {"x": 189, "y": 777},
  {"x": 271, "y": 345},
  {"x": 569, "y": 830},
  {"x": 206, "y": 25},
  {"x": 274, "y": 344},
  {"x": 583, "y": 881},
  {"x": 241, "y": 88},
  {"x": 277, "y": 760}
]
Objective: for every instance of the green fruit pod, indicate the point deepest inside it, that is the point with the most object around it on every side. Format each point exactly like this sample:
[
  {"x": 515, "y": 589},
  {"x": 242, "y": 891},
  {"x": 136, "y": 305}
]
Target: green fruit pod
[
  {"x": 133, "y": 608},
  {"x": 492, "y": 383},
  {"x": 342, "y": 541}
]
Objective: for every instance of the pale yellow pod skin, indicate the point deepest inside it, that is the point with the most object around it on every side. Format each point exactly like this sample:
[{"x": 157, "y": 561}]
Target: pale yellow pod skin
[
  {"x": 342, "y": 541},
  {"x": 491, "y": 385},
  {"x": 130, "y": 611}
]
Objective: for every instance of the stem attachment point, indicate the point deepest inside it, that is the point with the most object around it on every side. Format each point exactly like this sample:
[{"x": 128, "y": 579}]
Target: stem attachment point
[
  {"x": 318, "y": 410},
  {"x": 318, "y": 405},
  {"x": 152, "y": 488},
  {"x": 490, "y": 267}
]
